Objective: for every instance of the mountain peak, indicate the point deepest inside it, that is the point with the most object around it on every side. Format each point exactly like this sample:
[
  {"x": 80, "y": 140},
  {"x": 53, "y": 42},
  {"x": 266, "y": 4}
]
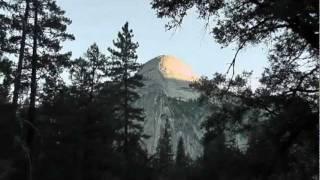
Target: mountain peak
[
  {"x": 169, "y": 75},
  {"x": 167, "y": 92},
  {"x": 172, "y": 68}
]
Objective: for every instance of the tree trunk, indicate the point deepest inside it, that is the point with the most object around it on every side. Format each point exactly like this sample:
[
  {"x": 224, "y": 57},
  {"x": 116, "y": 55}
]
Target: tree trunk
[
  {"x": 126, "y": 115},
  {"x": 17, "y": 80},
  {"x": 33, "y": 87}
]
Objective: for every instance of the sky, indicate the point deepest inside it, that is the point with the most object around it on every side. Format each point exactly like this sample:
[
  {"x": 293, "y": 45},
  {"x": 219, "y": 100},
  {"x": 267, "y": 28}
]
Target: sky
[{"x": 100, "y": 20}]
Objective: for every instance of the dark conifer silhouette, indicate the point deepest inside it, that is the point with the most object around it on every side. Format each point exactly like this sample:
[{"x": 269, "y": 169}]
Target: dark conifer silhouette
[
  {"x": 123, "y": 73},
  {"x": 88, "y": 127},
  {"x": 164, "y": 150},
  {"x": 181, "y": 156}
]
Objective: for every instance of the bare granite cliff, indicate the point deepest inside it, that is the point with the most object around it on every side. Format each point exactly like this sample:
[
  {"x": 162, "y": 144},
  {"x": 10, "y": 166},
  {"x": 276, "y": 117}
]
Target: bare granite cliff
[{"x": 166, "y": 94}]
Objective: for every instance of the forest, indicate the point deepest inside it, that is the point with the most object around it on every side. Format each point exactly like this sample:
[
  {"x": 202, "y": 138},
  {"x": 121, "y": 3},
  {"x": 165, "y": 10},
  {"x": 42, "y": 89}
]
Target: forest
[{"x": 87, "y": 128}]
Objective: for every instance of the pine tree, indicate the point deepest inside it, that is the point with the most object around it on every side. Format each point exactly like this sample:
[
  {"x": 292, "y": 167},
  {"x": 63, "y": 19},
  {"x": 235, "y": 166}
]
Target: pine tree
[
  {"x": 5, "y": 79},
  {"x": 22, "y": 44},
  {"x": 5, "y": 26},
  {"x": 88, "y": 76},
  {"x": 87, "y": 73},
  {"x": 14, "y": 28},
  {"x": 33, "y": 85},
  {"x": 6, "y": 66},
  {"x": 48, "y": 31},
  {"x": 164, "y": 150},
  {"x": 44, "y": 24},
  {"x": 123, "y": 73},
  {"x": 181, "y": 157}
]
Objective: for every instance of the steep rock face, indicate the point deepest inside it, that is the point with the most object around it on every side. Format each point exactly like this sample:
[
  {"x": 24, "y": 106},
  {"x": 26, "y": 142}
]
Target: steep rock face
[{"x": 166, "y": 94}]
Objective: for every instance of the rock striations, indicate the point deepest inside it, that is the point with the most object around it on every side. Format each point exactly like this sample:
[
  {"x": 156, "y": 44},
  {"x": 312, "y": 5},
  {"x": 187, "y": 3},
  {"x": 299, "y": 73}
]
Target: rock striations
[{"x": 166, "y": 95}]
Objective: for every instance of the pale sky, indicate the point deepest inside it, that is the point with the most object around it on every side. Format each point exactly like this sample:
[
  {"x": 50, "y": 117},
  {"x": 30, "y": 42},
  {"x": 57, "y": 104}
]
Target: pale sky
[{"x": 100, "y": 20}]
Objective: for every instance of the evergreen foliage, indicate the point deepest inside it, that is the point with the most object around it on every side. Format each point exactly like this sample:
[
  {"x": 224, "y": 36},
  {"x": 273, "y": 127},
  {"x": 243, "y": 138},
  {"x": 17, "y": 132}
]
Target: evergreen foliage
[
  {"x": 6, "y": 78},
  {"x": 123, "y": 69},
  {"x": 181, "y": 156},
  {"x": 164, "y": 150},
  {"x": 89, "y": 128}
]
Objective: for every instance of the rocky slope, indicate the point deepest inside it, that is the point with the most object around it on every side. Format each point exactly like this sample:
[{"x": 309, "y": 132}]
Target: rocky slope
[{"x": 166, "y": 94}]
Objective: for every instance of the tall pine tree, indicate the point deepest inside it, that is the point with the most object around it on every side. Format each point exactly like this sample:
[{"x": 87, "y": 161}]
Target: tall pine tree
[
  {"x": 88, "y": 76},
  {"x": 48, "y": 31},
  {"x": 123, "y": 72},
  {"x": 21, "y": 40}
]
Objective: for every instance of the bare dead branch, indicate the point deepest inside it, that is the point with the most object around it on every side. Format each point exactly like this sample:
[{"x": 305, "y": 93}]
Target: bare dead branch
[{"x": 232, "y": 64}]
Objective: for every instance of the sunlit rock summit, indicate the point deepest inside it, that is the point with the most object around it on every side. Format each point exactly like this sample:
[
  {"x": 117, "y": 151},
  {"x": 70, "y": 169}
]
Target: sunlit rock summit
[{"x": 166, "y": 94}]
